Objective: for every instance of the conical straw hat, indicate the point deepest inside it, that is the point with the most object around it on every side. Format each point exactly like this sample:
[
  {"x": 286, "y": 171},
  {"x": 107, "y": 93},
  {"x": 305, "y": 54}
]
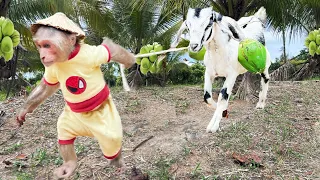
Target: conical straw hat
[{"x": 59, "y": 21}]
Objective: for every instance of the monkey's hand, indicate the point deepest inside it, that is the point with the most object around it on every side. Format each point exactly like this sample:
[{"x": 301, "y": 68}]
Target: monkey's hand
[
  {"x": 37, "y": 96},
  {"x": 21, "y": 117},
  {"x": 119, "y": 54}
]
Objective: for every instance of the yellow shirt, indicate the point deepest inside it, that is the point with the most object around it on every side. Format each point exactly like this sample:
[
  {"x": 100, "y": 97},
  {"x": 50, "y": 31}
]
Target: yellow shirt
[{"x": 81, "y": 80}]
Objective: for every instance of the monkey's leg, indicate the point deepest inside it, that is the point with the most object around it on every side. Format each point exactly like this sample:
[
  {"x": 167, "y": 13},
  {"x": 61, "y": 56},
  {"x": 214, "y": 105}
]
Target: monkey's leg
[
  {"x": 69, "y": 161},
  {"x": 117, "y": 161}
]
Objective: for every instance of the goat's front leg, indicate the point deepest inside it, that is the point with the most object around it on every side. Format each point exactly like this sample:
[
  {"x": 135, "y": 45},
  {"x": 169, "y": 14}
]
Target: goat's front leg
[
  {"x": 208, "y": 80},
  {"x": 223, "y": 100},
  {"x": 264, "y": 89}
]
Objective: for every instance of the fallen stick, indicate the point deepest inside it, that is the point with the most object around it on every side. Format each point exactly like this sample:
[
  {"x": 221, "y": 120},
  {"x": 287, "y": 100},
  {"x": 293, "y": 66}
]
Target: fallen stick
[
  {"x": 15, "y": 131},
  {"x": 140, "y": 144}
]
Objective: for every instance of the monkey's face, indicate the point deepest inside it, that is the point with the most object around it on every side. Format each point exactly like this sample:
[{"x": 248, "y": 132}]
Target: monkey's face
[{"x": 53, "y": 46}]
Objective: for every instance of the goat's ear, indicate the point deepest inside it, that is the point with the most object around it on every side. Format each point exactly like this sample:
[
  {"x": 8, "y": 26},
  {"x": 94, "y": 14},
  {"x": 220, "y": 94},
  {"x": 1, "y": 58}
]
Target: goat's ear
[
  {"x": 179, "y": 33},
  {"x": 210, "y": 8},
  {"x": 216, "y": 16}
]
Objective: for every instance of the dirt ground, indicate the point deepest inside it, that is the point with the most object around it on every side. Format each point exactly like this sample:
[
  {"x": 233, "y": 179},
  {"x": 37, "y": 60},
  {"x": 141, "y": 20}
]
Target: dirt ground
[{"x": 280, "y": 142}]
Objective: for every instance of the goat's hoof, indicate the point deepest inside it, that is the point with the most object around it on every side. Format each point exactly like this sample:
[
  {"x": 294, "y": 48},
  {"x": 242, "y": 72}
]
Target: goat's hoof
[
  {"x": 211, "y": 103},
  {"x": 260, "y": 106},
  {"x": 212, "y": 129},
  {"x": 211, "y": 106}
]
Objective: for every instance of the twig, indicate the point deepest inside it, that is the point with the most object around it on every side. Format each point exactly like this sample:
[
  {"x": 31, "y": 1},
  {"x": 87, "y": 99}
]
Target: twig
[
  {"x": 12, "y": 135},
  {"x": 140, "y": 144},
  {"x": 2, "y": 113},
  {"x": 237, "y": 171},
  {"x": 160, "y": 52}
]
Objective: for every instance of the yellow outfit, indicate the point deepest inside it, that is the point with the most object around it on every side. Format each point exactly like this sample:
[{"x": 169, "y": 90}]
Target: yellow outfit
[{"x": 89, "y": 109}]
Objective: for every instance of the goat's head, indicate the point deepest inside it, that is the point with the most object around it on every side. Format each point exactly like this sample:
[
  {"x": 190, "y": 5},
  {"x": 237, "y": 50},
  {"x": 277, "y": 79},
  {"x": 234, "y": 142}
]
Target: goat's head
[{"x": 200, "y": 25}]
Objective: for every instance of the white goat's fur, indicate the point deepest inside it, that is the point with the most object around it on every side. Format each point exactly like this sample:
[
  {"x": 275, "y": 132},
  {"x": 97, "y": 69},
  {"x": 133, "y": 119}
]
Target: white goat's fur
[{"x": 221, "y": 36}]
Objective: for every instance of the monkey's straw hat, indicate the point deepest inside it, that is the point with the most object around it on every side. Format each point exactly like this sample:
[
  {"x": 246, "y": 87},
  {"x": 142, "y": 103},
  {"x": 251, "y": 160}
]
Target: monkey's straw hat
[{"x": 59, "y": 21}]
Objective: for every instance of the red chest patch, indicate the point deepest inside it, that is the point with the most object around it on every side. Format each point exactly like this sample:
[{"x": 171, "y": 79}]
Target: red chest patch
[{"x": 76, "y": 84}]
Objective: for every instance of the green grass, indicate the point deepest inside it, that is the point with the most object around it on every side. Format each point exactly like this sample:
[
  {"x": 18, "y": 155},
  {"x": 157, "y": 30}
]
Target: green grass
[
  {"x": 40, "y": 156},
  {"x": 133, "y": 106},
  {"x": 182, "y": 105},
  {"x": 3, "y": 95},
  {"x": 161, "y": 170},
  {"x": 12, "y": 148},
  {"x": 314, "y": 78},
  {"x": 24, "y": 176}
]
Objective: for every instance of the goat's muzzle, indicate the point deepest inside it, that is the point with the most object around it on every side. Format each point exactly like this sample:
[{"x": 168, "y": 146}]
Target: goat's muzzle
[{"x": 195, "y": 47}]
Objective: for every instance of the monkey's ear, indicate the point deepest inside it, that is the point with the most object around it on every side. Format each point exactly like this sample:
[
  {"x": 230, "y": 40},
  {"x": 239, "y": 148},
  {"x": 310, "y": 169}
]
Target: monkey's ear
[{"x": 73, "y": 39}]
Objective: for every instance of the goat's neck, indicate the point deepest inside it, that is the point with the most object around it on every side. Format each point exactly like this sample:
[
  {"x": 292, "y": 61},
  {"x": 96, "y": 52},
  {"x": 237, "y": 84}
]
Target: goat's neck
[{"x": 219, "y": 39}]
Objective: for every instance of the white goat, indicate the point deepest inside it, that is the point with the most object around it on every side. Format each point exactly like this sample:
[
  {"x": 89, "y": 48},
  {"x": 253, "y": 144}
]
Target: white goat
[{"x": 221, "y": 36}]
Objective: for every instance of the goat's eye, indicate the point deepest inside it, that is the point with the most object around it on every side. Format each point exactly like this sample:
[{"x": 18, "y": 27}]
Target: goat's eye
[{"x": 188, "y": 24}]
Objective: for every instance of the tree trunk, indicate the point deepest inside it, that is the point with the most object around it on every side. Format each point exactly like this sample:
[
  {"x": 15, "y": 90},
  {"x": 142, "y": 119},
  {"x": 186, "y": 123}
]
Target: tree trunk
[
  {"x": 308, "y": 69},
  {"x": 4, "y": 7},
  {"x": 283, "y": 73},
  {"x": 249, "y": 87},
  {"x": 284, "y": 46}
]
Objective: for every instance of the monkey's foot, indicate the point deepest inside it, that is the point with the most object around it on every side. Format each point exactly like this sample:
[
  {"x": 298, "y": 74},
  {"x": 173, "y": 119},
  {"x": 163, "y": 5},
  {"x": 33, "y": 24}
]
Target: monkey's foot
[{"x": 65, "y": 170}]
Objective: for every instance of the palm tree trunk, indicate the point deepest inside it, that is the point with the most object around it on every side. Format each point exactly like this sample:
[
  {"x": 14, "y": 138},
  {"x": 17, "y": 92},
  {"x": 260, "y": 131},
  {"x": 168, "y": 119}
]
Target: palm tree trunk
[
  {"x": 4, "y": 7},
  {"x": 284, "y": 46}
]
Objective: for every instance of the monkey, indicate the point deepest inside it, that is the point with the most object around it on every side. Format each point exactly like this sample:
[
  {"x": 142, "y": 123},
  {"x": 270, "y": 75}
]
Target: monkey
[{"x": 74, "y": 67}]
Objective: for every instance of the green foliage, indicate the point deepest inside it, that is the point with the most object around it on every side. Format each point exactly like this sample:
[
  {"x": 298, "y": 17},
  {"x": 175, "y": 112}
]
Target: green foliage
[
  {"x": 111, "y": 73},
  {"x": 2, "y": 95},
  {"x": 298, "y": 61},
  {"x": 181, "y": 73},
  {"x": 274, "y": 66}
]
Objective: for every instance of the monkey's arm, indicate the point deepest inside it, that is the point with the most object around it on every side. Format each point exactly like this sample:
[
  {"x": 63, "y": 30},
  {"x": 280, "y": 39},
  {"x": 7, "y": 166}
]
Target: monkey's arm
[
  {"x": 119, "y": 54},
  {"x": 37, "y": 96}
]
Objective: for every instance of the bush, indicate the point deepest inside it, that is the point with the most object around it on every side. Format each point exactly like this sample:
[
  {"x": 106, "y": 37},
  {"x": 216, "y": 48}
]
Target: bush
[{"x": 184, "y": 74}]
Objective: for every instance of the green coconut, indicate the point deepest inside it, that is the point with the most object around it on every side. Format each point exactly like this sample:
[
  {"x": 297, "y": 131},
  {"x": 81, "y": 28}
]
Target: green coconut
[
  {"x": 312, "y": 48},
  {"x": 145, "y": 63},
  {"x": 153, "y": 68},
  {"x": 6, "y": 44},
  {"x": 144, "y": 50},
  {"x": 318, "y": 39},
  {"x": 15, "y": 37},
  {"x": 144, "y": 70},
  {"x": 153, "y": 57},
  {"x": 318, "y": 50},
  {"x": 8, "y": 55},
  {"x": 138, "y": 61},
  {"x": 7, "y": 27},
  {"x": 150, "y": 47},
  {"x": 252, "y": 55},
  {"x": 157, "y": 48},
  {"x": 198, "y": 55},
  {"x": 312, "y": 36}
]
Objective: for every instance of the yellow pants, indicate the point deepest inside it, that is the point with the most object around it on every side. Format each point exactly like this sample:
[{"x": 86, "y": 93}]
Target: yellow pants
[{"x": 104, "y": 124}]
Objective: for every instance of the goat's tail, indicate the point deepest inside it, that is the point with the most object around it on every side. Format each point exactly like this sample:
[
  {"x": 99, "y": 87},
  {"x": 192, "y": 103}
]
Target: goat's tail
[{"x": 261, "y": 14}]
